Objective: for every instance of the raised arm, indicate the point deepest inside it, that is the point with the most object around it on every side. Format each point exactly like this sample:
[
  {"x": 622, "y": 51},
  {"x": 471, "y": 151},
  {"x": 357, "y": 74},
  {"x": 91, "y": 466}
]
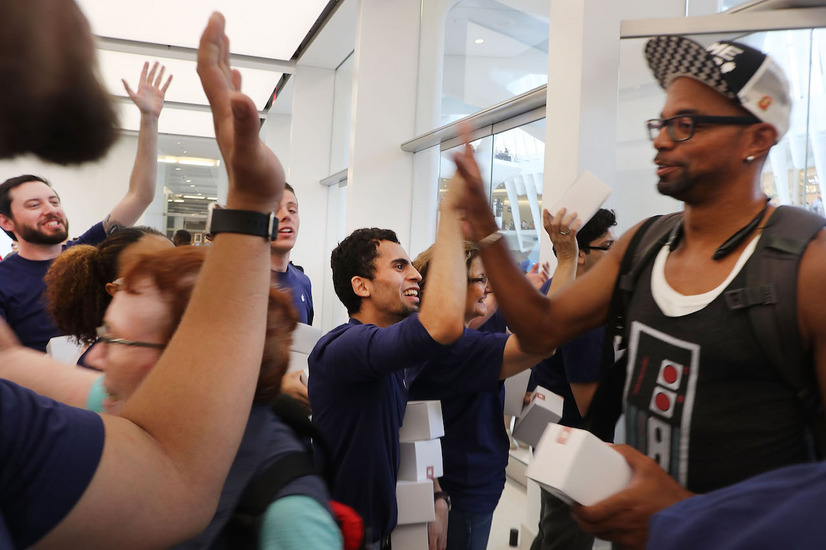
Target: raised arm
[
  {"x": 443, "y": 306},
  {"x": 541, "y": 323},
  {"x": 562, "y": 230},
  {"x": 149, "y": 99},
  {"x": 165, "y": 460}
]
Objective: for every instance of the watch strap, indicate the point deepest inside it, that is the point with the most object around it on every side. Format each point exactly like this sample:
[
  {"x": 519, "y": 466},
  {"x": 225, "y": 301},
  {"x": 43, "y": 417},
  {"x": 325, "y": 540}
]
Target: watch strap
[{"x": 245, "y": 222}]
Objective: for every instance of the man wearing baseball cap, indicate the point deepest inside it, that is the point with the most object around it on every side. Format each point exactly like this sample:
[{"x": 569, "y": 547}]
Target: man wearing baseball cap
[{"x": 706, "y": 407}]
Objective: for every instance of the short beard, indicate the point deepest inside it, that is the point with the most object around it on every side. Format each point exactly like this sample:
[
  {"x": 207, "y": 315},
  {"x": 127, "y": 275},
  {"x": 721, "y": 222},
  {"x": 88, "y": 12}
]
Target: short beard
[
  {"x": 35, "y": 236},
  {"x": 679, "y": 188}
]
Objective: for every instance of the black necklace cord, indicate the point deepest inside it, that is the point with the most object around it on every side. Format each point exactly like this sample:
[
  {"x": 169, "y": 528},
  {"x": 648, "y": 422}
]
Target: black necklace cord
[
  {"x": 737, "y": 239},
  {"x": 731, "y": 243}
]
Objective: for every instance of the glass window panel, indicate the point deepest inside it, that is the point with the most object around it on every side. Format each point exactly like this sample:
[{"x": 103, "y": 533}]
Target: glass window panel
[
  {"x": 516, "y": 199},
  {"x": 492, "y": 52},
  {"x": 512, "y": 167}
]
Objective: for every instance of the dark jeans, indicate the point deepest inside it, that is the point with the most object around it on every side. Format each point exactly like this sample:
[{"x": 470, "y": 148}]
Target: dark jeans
[
  {"x": 557, "y": 529},
  {"x": 468, "y": 531}
]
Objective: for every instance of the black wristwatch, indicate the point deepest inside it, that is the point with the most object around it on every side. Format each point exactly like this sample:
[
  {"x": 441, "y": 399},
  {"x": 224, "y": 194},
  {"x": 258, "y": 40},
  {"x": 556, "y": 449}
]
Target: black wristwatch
[
  {"x": 246, "y": 222},
  {"x": 444, "y": 496}
]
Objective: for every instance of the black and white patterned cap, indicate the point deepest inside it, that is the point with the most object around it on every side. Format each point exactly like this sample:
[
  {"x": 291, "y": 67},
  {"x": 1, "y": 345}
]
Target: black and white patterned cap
[{"x": 737, "y": 71}]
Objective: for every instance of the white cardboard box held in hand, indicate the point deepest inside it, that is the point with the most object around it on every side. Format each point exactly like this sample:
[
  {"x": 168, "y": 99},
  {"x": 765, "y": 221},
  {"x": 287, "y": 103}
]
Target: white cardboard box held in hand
[
  {"x": 544, "y": 407},
  {"x": 515, "y": 388},
  {"x": 414, "y": 500},
  {"x": 422, "y": 421},
  {"x": 576, "y": 466},
  {"x": 420, "y": 460}
]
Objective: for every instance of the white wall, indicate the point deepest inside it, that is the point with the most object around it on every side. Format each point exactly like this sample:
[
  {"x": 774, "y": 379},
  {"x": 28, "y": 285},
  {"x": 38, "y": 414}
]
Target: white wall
[{"x": 89, "y": 191}]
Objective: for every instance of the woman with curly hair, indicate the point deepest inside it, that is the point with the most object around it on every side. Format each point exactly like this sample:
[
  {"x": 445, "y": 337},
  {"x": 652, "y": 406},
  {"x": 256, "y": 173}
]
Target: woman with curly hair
[
  {"x": 81, "y": 281},
  {"x": 152, "y": 296}
]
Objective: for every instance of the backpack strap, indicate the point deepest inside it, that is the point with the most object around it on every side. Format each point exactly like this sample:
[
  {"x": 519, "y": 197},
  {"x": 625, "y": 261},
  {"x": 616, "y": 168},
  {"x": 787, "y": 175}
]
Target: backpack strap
[
  {"x": 770, "y": 297},
  {"x": 244, "y": 526},
  {"x": 606, "y": 405}
]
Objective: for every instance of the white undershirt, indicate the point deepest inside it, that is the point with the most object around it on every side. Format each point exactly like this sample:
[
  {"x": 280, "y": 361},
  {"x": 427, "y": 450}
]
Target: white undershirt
[{"x": 674, "y": 304}]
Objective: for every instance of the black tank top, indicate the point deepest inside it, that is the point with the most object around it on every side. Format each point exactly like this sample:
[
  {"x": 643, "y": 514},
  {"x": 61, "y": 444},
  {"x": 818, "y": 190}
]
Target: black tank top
[{"x": 702, "y": 399}]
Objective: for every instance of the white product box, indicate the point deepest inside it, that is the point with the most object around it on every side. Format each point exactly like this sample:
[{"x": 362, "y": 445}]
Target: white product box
[
  {"x": 420, "y": 460},
  {"x": 515, "y": 388},
  {"x": 305, "y": 338},
  {"x": 576, "y": 466},
  {"x": 298, "y": 361},
  {"x": 414, "y": 500},
  {"x": 409, "y": 537},
  {"x": 422, "y": 421},
  {"x": 544, "y": 407}
]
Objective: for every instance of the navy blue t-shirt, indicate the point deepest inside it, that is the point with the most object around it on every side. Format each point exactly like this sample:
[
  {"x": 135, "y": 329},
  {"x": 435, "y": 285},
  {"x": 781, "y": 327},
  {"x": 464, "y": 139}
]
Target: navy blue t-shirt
[
  {"x": 22, "y": 300},
  {"x": 475, "y": 445},
  {"x": 48, "y": 455},
  {"x": 358, "y": 393},
  {"x": 301, "y": 290},
  {"x": 778, "y": 509}
]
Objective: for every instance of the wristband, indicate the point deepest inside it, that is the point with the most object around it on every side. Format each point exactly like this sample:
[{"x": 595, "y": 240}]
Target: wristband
[
  {"x": 444, "y": 496},
  {"x": 245, "y": 222}
]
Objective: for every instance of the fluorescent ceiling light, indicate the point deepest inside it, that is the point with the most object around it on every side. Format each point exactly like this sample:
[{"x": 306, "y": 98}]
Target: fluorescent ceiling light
[
  {"x": 479, "y": 41},
  {"x": 176, "y": 121},
  {"x": 191, "y": 161},
  {"x": 272, "y": 29},
  {"x": 186, "y": 86}
]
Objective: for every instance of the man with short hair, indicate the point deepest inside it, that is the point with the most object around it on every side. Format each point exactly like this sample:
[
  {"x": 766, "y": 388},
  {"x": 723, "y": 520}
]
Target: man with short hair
[
  {"x": 32, "y": 215},
  {"x": 285, "y": 274},
  {"x": 182, "y": 237},
  {"x": 701, "y": 397},
  {"x": 358, "y": 371}
]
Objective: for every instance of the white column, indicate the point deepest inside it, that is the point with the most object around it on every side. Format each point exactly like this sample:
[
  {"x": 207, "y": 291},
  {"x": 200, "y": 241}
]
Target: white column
[
  {"x": 383, "y": 116},
  {"x": 583, "y": 60}
]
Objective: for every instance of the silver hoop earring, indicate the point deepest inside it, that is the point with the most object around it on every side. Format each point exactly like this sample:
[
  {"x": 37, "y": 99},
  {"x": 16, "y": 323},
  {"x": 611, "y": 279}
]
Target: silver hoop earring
[{"x": 749, "y": 159}]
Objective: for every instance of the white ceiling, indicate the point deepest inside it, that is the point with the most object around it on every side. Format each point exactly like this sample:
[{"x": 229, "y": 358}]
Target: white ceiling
[{"x": 264, "y": 37}]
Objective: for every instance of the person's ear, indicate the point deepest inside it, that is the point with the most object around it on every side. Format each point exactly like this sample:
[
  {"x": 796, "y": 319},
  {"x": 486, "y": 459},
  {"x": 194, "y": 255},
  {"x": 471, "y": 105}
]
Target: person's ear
[
  {"x": 762, "y": 137},
  {"x": 111, "y": 288},
  {"x": 580, "y": 259},
  {"x": 6, "y": 223},
  {"x": 361, "y": 286}
]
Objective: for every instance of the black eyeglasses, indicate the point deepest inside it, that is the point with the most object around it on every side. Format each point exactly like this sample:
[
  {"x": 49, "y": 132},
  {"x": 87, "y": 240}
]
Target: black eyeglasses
[
  {"x": 478, "y": 280},
  {"x": 101, "y": 332},
  {"x": 606, "y": 246},
  {"x": 681, "y": 128}
]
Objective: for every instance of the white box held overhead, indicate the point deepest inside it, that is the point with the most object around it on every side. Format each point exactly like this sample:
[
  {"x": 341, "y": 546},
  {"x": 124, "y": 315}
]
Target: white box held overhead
[
  {"x": 420, "y": 460},
  {"x": 544, "y": 407},
  {"x": 422, "y": 421},
  {"x": 415, "y": 503},
  {"x": 576, "y": 466}
]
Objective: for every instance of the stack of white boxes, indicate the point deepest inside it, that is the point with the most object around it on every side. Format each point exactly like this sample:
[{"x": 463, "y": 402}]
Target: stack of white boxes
[
  {"x": 544, "y": 407},
  {"x": 420, "y": 464}
]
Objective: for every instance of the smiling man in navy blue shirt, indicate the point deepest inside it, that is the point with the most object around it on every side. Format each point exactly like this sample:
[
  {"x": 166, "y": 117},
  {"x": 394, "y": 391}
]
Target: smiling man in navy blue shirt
[{"x": 358, "y": 382}]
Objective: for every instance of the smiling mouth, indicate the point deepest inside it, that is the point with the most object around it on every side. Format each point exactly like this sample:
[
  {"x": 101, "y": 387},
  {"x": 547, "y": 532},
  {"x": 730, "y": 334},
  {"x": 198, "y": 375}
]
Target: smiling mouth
[{"x": 413, "y": 292}]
